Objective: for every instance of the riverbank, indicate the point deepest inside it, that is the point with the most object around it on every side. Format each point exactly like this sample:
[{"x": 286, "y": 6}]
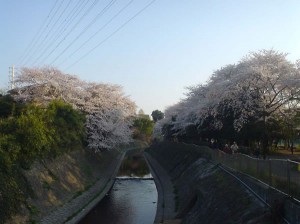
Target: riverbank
[
  {"x": 200, "y": 190},
  {"x": 74, "y": 210},
  {"x": 66, "y": 188},
  {"x": 166, "y": 198}
]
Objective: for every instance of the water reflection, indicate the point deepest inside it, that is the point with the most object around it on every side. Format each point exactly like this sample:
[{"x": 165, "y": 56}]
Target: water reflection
[
  {"x": 131, "y": 201},
  {"x": 134, "y": 165}
]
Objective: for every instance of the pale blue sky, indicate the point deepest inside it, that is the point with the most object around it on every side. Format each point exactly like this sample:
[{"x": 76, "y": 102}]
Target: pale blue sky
[{"x": 169, "y": 46}]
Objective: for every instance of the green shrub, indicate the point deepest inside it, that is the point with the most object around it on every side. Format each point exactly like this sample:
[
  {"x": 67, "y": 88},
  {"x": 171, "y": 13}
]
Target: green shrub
[
  {"x": 28, "y": 133},
  {"x": 14, "y": 189},
  {"x": 68, "y": 124},
  {"x": 34, "y": 135},
  {"x": 142, "y": 128},
  {"x": 9, "y": 151},
  {"x": 9, "y": 107},
  {"x": 8, "y": 194}
]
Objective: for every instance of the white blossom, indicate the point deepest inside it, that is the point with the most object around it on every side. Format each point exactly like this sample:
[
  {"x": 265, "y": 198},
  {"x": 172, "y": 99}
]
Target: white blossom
[
  {"x": 108, "y": 110},
  {"x": 262, "y": 85}
]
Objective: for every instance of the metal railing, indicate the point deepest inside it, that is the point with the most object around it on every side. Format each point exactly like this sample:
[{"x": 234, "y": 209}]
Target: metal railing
[{"x": 283, "y": 175}]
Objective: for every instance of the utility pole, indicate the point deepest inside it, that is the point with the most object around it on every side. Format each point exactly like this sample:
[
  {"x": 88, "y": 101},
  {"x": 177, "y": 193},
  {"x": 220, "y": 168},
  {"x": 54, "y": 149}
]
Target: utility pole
[{"x": 12, "y": 76}]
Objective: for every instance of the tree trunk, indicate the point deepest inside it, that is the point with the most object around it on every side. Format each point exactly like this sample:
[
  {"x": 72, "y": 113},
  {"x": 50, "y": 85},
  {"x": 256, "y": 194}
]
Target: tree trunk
[
  {"x": 292, "y": 147},
  {"x": 265, "y": 146},
  {"x": 265, "y": 138}
]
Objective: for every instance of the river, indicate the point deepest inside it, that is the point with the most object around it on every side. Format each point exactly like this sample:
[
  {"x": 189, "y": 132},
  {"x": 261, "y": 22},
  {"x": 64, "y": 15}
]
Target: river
[{"x": 133, "y": 198}]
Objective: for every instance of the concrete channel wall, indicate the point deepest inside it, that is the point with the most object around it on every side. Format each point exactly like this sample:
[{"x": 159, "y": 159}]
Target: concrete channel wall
[
  {"x": 73, "y": 211},
  {"x": 166, "y": 197},
  {"x": 94, "y": 196},
  {"x": 192, "y": 189}
]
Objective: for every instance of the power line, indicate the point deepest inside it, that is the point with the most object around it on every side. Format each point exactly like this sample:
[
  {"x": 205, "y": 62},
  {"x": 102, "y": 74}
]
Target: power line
[
  {"x": 71, "y": 18},
  {"x": 99, "y": 15},
  {"x": 33, "y": 41},
  {"x": 52, "y": 28},
  {"x": 113, "y": 33},
  {"x": 65, "y": 24},
  {"x": 41, "y": 42},
  {"x": 91, "y": 37},
  {"x": 71, "y": 30}
]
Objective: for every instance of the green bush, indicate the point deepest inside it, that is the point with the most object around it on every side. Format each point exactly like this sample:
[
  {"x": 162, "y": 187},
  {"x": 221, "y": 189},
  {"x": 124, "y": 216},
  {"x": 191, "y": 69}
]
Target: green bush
[
  {"x": 9, "y": 107},
  {"x": 68, "y": 126},
  {"x": 143, "y": 128},
  {"x": 13, "y": 185},
  {"x": 46, "y": 132},
  {"x": 28, "y": 133},
  {"x": 10, "y": 196},
  {"x": 34, "y": 135},
  {"x": 9, "y": 152}
]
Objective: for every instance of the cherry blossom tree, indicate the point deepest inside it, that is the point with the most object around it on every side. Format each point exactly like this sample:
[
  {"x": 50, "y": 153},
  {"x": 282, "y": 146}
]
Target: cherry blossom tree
[
  {"x": 260, "y": 87},
  {"x": 107, "y": 130},
  {"x": 108, "y": 110}
]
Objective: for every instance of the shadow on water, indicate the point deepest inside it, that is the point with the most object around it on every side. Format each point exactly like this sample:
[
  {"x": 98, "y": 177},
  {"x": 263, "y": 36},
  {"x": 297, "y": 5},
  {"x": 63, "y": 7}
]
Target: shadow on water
[{"x": 130, "y": 201}]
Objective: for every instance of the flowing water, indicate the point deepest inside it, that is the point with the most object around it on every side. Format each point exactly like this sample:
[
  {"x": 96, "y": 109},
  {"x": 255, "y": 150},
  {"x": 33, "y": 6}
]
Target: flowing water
[{"x": 132, "y": 199}]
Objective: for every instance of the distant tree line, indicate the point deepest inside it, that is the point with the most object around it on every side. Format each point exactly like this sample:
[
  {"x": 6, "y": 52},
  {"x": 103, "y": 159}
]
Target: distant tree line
[
  {"x": 143, "y": 125},
  {"x": 253, "y": 101}
]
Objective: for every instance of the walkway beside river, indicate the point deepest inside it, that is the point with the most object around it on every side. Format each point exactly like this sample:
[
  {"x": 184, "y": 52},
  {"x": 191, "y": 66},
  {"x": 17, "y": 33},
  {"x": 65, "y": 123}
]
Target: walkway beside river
[{"x": 166, "y": 198}]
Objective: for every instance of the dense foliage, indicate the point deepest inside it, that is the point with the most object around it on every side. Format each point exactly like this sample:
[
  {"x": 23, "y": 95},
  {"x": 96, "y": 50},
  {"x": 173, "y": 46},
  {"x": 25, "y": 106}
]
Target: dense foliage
[
  {"x": 29, "y": 132},
  {"x": 142, "y": 127},
  {"x": 107, "y": 110},
  {"x": 49, "y": 113},
  {"x": 157, "y": 115},
  {"x": 250, "y": 100}
]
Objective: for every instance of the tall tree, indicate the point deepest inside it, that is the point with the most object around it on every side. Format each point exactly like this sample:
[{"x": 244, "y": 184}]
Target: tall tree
[
  {"x": 259, "y": 88},
  {"x": 157, "y": 115},
  {"x": 142, "y": 127},
  {"x": 108, "y": 110}
]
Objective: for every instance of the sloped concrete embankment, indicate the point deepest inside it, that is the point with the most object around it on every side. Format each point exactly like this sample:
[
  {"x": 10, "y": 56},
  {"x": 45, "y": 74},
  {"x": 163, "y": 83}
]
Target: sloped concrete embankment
[
  {"x": 193, "y": 190},
  {"x": 74, "y": 210},
  {"x": 68, "y": 187}
]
